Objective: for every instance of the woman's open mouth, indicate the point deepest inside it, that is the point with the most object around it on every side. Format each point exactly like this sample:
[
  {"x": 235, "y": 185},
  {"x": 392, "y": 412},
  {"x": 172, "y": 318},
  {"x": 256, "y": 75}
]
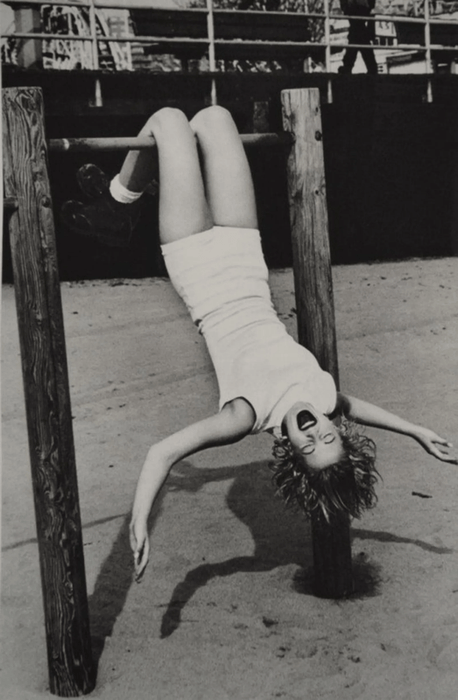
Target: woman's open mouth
[{"x": 305, "y": 420}]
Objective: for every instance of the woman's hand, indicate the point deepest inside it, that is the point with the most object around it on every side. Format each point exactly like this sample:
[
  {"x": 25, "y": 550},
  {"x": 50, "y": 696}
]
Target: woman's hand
[
  {"x": 229, "y": 425},
  {"x": 139, "y": 542},
  {"x": 435, "y": 445}
]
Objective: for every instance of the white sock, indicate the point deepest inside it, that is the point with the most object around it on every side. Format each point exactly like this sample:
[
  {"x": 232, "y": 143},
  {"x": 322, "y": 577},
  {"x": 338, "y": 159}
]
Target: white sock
[{"x": 121, "y": 193}]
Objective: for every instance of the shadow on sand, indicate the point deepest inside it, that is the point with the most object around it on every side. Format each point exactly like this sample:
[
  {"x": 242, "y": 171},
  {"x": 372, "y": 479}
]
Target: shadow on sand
[{"x": 281, "y": 537}]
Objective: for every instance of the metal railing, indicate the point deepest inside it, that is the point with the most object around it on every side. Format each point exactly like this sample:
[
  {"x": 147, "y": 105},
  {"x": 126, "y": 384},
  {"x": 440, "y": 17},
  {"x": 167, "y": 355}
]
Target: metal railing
[{"x": 211, "y": 41}]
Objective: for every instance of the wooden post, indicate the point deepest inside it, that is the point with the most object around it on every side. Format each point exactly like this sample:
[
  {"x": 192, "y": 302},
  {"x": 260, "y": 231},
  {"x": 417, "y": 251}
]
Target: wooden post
[
  {"x": 454, "y": 202},
  {"x": 45, "y": 375},
  {"x": 314, "y": 301}
]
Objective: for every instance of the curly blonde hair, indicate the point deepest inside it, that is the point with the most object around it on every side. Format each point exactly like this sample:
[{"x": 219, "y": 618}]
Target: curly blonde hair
[{"x": 347, "y": 486}]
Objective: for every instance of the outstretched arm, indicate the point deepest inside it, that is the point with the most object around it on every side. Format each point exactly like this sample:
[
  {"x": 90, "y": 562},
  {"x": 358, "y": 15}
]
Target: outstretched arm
[
  {"x": 368, "y": 414},
  {"x": 230, "y": 425}
]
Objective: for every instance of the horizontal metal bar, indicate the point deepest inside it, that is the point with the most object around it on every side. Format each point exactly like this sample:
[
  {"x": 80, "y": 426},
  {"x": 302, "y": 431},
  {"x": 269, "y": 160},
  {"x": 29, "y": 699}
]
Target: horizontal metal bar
[
  {"x": 102, "y": 4},
  {"x": 396, "y": 47},
  {"x": 399, "y": 19},
  {"x": 139, "y": 143},
  {"x": 146, "y": 5},
  {"x": 236, "y": 42},
  {"x": 47, "y": 37},
  {"x": 393, "y": 19},
  {"x": 204, "y": 41},
  {"x": 160, "y": 40},
  {"x": 121, "y": 4},
  {"x": 102, "y": 38},
  {"x": 242, "y": 43}
]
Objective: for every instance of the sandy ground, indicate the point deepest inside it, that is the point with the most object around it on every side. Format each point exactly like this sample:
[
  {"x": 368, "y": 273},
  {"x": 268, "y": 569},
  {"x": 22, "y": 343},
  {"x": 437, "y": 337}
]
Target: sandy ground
[{"x": 225, "y": 609}]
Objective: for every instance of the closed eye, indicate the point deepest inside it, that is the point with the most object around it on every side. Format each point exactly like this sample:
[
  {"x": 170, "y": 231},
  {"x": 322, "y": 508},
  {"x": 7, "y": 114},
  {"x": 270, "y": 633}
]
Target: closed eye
[
  {"x": 327, "y": 439},
  {"x": 308, "y": 449}
]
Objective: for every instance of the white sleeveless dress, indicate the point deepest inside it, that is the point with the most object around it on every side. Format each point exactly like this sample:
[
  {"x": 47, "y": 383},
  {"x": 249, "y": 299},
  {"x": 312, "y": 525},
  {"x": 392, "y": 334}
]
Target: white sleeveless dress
[{"x": 222, "y": 277}]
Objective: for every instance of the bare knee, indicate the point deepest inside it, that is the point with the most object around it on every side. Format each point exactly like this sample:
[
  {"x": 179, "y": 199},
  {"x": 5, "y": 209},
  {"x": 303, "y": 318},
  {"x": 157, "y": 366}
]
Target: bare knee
[
  {"x": 212, "y": 120},
  {"x": 167, "y": 120}
]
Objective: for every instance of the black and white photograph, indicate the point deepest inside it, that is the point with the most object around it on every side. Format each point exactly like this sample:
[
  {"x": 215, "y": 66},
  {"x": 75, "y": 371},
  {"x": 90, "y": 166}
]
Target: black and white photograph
[{"x": 229, "y": 350}]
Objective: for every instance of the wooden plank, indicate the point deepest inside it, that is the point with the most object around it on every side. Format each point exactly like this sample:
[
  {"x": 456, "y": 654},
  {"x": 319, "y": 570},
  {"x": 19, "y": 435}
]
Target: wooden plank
[
  {"x": 229, "y": 24},
  {"x": 45, "y": 377},
  {"x": 314, "y": 302},
  {"x": 263, "y": 26},
  {"x": 234, "y": 49},
  {"x": 170, "y": 23}
]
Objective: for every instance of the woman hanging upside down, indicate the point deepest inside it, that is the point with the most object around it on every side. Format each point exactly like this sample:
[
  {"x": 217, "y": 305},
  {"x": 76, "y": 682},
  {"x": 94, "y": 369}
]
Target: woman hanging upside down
[{"x": 267, "y": 382}]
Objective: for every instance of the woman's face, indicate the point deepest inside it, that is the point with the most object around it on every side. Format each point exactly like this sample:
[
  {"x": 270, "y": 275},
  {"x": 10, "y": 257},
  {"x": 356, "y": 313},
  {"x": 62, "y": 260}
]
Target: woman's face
[{"x": 313, "y": 436}]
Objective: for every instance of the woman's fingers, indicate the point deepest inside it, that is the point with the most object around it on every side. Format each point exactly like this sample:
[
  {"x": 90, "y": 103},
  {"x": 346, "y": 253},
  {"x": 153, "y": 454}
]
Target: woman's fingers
[
  {"x": 443, "y": 449},
  {"x": 446, "y": 457},
  {"x": 441, "y": 441},
  {"x": 141, "y": 555},
  {"x": 437, "y": 446},
  {"x": 132, "y": 539},
  {"x": 443, "y": 454},
  {"x": 139, "y": 544}
]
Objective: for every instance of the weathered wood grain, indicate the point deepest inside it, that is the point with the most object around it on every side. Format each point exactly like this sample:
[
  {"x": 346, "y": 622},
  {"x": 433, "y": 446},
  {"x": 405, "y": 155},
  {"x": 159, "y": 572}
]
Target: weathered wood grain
[
  {"x": 309, "y": 226},
  {"x": 314, "y": 301},
  {"x": 45, "y": 377}
]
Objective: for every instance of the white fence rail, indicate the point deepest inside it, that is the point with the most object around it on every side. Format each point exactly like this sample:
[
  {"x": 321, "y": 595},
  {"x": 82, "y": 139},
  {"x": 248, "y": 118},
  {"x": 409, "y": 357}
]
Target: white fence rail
[{"x": 95, "y": 33}]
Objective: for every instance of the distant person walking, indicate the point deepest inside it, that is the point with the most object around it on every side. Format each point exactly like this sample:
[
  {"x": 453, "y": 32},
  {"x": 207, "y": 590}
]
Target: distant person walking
[{"x": 361, "y": 32}]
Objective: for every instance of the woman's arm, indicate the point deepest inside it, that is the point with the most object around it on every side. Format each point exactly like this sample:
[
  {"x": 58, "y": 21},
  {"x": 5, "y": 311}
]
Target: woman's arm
[
  {"x": 368, "y": 414},
  {"x": 233, "y": 423}
]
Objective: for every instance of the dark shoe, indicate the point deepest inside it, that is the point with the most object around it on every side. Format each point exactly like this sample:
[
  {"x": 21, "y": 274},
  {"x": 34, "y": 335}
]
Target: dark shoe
[
  {"x": 153, "y": 188},
  {"x": 105, "y": 219},
  {"x": 92, "y": 181}
]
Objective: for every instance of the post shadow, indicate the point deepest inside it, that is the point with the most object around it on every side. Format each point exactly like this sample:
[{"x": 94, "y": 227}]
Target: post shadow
[{"x": 281, "y": 537}]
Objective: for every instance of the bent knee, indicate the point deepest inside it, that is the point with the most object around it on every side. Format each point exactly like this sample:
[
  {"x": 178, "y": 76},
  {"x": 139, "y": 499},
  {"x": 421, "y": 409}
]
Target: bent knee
[
  {"x": 167, "y": 119},
  {"x": 212, "y": 119}
]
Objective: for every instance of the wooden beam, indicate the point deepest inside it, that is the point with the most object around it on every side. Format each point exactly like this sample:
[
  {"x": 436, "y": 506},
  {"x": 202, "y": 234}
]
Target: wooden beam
[
  {"x": 47, "y": 398},
  {"x": 314, "y": 302}
]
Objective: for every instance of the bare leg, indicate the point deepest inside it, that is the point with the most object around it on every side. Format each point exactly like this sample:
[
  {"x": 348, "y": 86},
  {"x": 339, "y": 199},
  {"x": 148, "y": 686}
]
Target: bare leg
[
  {"x": 183, "y": 208},
  {"x": 227, "y": 175},
  {"x": 139, "y": 167}
]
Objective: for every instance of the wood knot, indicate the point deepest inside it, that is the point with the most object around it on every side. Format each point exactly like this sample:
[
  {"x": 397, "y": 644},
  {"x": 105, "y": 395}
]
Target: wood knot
[{"x": 318, "y": 135}]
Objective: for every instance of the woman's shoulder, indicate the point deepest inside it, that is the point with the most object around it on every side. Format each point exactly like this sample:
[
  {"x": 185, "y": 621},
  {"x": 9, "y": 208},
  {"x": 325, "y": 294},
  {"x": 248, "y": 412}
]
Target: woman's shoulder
[{"x": 241, "y": 412}]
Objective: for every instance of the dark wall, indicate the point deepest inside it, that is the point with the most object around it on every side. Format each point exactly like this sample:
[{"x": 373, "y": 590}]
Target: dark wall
[{"x": 389, "y": 156}]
